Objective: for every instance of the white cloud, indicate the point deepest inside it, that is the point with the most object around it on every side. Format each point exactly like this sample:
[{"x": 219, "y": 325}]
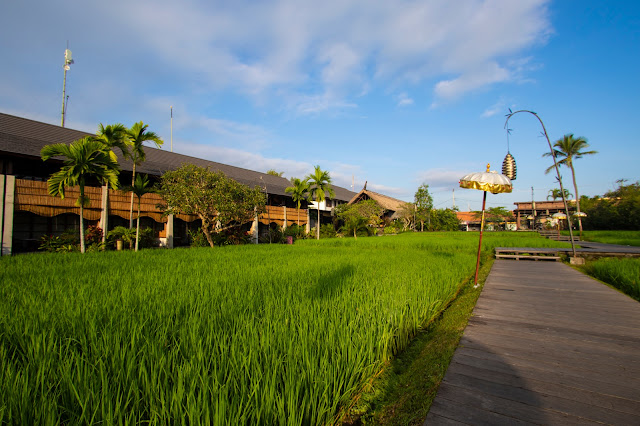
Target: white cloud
[
  {"x": 498, "y": 107},
  {"x": 404, "y": 100},
  {"x": 482, "y": 76},
  {"x": 441, "y": 177},
  {"x": 244, "y": 159},
  {"x": 336, "y": 48}
]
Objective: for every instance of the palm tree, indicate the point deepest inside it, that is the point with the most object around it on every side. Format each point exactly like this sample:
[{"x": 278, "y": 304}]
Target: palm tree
[
  {"x": 113, "y": 136},
  {"x": 319, "y": 187},
  {"x": 140, "y": 187},
  {"x": 83, "y": 158},
  {"x": 299, "y": 193},
  {"x": 556, "y": 193},
  {"x": 137, "y": 135},
  {"x": 567, "y": 149}
]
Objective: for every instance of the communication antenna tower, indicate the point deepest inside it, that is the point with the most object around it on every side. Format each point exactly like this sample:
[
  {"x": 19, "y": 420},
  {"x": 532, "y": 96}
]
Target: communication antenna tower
[{"x": 67, "y": 61}]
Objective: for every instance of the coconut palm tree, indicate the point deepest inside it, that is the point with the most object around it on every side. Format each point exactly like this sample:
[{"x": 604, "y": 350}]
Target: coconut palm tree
[
  {"x": 319, "y": 187},
  {"x": 566, "y": 150},
  {"x": 113, "y": 136},
  {"x": 299, "y": 192},
  {"x": 140, "y": 187},
  {"x": 83, "y": 158},
  {"x": 556, "y": 193},
  {"x": 137, "y": 135}
]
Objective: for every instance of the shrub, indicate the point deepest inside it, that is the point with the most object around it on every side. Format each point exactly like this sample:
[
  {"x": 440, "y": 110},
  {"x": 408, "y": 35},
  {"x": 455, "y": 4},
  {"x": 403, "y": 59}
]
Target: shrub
[
  {"x": 197, "y": 238},
  {"x": 60, "y": 243},
  {"x": 328, "y": 231}
]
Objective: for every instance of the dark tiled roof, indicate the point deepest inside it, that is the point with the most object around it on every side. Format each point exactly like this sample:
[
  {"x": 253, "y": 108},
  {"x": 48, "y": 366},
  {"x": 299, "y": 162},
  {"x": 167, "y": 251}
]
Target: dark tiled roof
[{"x": 24, "y": 137}]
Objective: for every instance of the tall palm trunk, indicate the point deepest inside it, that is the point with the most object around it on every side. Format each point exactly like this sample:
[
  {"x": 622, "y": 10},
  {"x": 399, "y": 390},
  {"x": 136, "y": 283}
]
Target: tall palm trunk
[
  {"x": 138, "y": 225},
  {"x": 133, "y": 181},
  {"x": 81, "y": 218},
  {"x": 318, "y": 230},
  {"x": 575, "y": 187}
]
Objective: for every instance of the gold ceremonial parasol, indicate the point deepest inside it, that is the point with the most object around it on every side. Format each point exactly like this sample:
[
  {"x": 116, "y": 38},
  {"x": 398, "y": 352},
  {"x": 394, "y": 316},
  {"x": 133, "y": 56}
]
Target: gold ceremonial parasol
[{"x": 488, "y": 182}]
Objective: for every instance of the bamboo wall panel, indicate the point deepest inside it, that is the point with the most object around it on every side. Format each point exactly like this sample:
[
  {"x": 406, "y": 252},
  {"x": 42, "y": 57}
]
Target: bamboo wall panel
[
  {"x": 33, "y": 196},
  {"x": 276, "y": 214}
]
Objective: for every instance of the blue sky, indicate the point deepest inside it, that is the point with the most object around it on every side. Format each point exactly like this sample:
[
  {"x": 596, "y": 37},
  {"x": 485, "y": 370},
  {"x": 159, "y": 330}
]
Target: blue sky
[{"x": 393, "y": 93}]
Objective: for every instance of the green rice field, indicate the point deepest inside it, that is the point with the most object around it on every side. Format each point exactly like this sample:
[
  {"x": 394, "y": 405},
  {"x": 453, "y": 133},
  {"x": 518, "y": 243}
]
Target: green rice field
[
  {"x": 623, "y": 274},
  {"x": 625, "y": 238},
  {"x": 269, "y": 334}
]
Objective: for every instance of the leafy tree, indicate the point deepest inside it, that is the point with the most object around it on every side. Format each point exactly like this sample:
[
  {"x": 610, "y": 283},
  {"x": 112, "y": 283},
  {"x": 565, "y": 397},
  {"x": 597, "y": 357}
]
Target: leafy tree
[
  {"x": 272, "y": 172},
  {"x": 616, "y": 210},
  {"x": 566, "y": 150},
  {"x": 444, "y": 220},
  {"x": 220, "y": 202},
  {"x": 556, "y": 194},
  {"x": 423, "y": 205},
  {"x": 136, "y": 136},
  {"x": 360, "y": 216},
  {"x": 319, "y": 187},
  {"x": 407, "y": 215},
  {"x": 299, "y": 192},
  {"x": 83, "y": 159},
  {"x": 140, "y": 187}
]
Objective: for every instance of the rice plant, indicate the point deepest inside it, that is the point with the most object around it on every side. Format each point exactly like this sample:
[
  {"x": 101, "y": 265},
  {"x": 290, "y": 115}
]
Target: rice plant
[
  {"x": 271, "y": 334},
  {"x": 624, "y": 274}
]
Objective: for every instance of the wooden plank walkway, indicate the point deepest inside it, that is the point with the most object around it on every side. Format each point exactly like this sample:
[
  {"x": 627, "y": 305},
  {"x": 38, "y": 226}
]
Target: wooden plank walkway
[{"x": 546, "y": 345}]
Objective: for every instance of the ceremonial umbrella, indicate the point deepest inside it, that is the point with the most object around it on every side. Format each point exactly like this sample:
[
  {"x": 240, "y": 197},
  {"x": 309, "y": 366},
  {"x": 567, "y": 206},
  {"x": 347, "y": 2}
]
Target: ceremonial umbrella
[
  {"x": 485, "y": 181},
  {"x": 558, "y": 217}
]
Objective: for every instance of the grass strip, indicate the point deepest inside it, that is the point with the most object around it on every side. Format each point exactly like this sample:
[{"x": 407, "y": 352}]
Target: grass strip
[
  {"x": 623, "y": 274},
  {"x": 404, "y": 391}
]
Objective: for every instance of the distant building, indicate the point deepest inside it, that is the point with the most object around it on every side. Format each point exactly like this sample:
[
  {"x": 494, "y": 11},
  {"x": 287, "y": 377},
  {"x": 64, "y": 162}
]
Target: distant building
[
  {"x": 539, "y": 211},
  {"x": 27, "y": 211}
]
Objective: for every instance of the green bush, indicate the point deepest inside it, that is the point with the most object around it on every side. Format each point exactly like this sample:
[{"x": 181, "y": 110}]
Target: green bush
[
  {"x": 65, "y": 242},
  {"x": 197, "y": 238},
  {"x": 328, "y": 231}
]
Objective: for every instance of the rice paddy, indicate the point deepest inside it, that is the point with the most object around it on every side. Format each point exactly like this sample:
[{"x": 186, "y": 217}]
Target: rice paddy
[
  {"x": 269, "y": 334},
  {"x": 623, "y": 274},
  {"x": 626, "y": 238}
]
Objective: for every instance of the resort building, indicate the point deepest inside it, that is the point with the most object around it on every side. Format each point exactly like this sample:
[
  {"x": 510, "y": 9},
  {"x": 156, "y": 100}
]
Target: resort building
[
  {"x": 535, "y": 214},
  {"x": 28, "y": 212}
]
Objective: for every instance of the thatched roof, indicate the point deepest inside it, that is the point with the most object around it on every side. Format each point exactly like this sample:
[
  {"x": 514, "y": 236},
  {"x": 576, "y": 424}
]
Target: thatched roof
[{"x": 390, "y": 204}]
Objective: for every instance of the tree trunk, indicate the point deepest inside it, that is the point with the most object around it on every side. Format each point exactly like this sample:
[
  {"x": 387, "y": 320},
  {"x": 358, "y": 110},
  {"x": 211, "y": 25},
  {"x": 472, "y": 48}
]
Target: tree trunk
[
  {"x": 318, "y": 226},
  {"x": 81, "y": 219},
  {"x": 138, "y": 226},
  {"x": 205, "y": 230},
  {"x": 575, "y": 187},
  {"x": 133, "y": 181}
]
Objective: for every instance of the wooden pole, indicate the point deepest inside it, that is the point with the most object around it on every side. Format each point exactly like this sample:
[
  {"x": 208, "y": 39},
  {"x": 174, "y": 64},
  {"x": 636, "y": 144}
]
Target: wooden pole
[{"x": 484, "y": 202}]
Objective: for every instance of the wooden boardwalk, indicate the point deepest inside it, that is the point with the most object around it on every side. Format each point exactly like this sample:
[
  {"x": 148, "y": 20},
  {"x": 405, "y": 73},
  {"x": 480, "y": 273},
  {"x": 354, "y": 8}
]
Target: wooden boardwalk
[{"x": 546, "y": 345}]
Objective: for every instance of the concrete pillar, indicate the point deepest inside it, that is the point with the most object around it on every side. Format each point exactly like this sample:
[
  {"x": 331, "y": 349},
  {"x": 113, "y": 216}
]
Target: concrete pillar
[
  {"x": 170, "y": 231},
  {"x": 7, "y": 190},
  {"x": 104, "y": 213},
  {"x": 254, "y": 229},
  {"x": 308, "y": 227},
  {"x": 285, "y": 219}
]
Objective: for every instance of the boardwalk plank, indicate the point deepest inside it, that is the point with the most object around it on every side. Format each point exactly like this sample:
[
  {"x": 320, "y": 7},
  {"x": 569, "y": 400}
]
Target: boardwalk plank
[
  {"x": 516, "y": 389},
  {"x": 464, "y": 397},
  {"x": 548, "y": 345},
  {"x": 551, "y": 373}
]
